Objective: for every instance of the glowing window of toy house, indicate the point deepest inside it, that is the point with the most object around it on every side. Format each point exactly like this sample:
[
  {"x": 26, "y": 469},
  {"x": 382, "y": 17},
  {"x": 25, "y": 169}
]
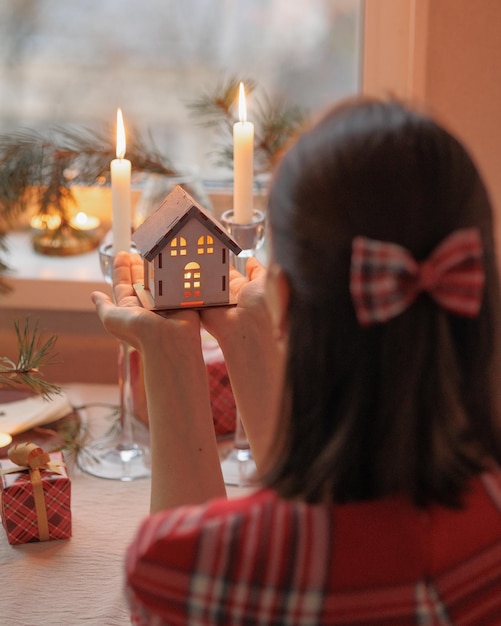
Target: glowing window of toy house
[
  {"x": 205, "y": 244},
  {"x": 191, "y": 277},
  {"x": 178, "y": 246}
]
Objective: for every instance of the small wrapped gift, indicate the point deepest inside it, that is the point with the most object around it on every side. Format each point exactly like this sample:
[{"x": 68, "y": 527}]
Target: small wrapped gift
[{"x": 35, "y": 494}]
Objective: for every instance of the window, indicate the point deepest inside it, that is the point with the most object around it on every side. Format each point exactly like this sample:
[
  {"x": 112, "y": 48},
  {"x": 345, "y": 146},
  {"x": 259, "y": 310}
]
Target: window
[
  {"x": 178, "y": 246},
  {"x": 75, "y": 62},
  {"x": 192, "y": 280},
  {"x": 205, "y": 245}
]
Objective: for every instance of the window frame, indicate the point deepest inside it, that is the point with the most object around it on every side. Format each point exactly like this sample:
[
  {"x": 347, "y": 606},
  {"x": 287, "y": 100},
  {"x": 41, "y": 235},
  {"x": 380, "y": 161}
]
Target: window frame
[{"x": 394, "y": 48}]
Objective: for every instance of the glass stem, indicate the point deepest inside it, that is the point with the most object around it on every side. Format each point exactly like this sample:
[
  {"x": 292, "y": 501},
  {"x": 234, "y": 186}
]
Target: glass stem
[
  {"x": 241, "y": 441},
  {"x": 241, "y": 445},
  {"x": 126, "y": 397}
]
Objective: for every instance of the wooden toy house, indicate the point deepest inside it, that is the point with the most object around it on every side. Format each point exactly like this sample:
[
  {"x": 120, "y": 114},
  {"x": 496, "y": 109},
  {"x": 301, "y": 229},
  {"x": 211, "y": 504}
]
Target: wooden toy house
[{"x": 186, "y": 256}]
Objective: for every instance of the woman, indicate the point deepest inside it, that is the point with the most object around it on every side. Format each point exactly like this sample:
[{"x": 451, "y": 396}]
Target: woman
[{"x": 363, "y": 362}]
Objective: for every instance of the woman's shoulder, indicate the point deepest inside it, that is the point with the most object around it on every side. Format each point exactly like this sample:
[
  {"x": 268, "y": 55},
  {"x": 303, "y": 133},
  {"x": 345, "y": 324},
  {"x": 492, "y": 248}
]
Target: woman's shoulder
[
  {"x": 195, "y": 541},
  {"x": 265, "y": 509},
  {"x": 179, "y": 536},
  {"x": 237, "y": 511},
  {"x": 204, "y": 557}
]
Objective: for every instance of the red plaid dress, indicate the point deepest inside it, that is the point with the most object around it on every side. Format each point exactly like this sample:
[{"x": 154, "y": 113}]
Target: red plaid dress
[{"x": 264, "y": 560}]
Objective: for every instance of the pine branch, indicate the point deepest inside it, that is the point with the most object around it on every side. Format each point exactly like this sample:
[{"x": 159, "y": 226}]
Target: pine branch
[
  {"x": 274, "y": 122},
  {"x": 216, "y": 108},
  {"x": 47, "y": 165},
  {"x": 35, "y": 352},
  {"x": 92, "y": 150},
  {"x": 41, "y": 168}
]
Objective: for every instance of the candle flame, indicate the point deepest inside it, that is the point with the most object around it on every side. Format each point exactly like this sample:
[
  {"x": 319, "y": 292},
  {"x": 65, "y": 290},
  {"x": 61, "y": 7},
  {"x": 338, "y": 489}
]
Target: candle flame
[
  {"x": 242, "y": 107},
  {"x": 120, "y": 135},
  {"x": 81, "y": 218}
]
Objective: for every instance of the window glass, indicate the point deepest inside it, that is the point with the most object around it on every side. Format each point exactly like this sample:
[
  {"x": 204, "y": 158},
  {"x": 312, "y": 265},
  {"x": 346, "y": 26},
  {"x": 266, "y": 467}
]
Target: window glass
[{"x": 76, "y": 62}]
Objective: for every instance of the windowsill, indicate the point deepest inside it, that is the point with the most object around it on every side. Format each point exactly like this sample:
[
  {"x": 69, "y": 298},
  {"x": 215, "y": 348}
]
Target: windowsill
[
  {"x": 41, "y": 282},
  {"x": 53, "y": 283},
  {"x": 50, "y": 283}
]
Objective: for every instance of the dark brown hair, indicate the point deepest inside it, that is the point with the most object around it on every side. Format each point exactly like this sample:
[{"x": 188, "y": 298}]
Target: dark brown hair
[{"x": 401, "y": 407}]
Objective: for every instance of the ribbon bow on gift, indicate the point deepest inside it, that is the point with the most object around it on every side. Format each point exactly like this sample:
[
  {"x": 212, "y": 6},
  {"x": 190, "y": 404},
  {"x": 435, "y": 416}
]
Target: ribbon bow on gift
[
  {"x": 385, "y": 279},
  {"x": 31, "y": 458}
]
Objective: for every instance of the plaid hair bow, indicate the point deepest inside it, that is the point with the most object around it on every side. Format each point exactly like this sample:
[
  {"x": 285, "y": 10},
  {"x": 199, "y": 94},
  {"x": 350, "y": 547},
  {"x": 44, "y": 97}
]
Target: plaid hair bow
[{"x": 385, "y": 279}]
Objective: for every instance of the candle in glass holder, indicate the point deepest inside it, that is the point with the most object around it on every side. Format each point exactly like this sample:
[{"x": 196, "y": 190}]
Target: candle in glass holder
[
  {"x": 243, "y": 164},
  {"x": 41, "y": 223},
  {"x": 5, "y": 439},
  {"x": 86, "y": 223},
  {"x": 121, "y": 193}
]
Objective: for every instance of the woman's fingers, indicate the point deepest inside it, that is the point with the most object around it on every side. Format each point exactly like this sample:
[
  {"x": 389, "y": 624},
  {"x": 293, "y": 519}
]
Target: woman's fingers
[
  {"x": 137, "y": 269},
  {"x": 101, "y": 301},
  {"x": 127, "y": 270},
  {"x": 254, "y": 269}
]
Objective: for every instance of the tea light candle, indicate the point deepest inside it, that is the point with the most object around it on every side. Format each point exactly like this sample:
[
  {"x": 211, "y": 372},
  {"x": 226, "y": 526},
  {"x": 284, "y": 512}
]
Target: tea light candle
[
  {"x": 42, "y": 223},
  {"x": 121, "y": 193},
  {"x": 87, "y": 223},
  {"x": 5, "y": 439},
  {"x": 243, "y": 164}
]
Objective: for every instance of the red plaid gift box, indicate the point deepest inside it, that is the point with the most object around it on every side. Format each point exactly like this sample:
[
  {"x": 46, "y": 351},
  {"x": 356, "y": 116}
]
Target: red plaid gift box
[
  {"x": 35, "y": 494},
  {"x": 224, "y": 410}
]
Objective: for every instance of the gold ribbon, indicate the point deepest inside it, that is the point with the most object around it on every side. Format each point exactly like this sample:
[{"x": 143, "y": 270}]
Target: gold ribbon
[{"x": 30, "y": 457}]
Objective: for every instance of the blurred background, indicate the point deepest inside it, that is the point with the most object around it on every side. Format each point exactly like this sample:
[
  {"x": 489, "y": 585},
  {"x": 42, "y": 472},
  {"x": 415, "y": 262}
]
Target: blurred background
[{"x": 76, "y": 62}]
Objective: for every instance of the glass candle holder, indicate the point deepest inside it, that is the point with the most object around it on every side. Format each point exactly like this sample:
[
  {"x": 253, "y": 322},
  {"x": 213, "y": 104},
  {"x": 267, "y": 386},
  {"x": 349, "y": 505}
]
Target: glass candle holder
[
  {"x": 124, "y": 452},
  {"x": 239, "y": 467},
  {"x": 250, "y": 237},
  {"x": 63, "y": 240}
]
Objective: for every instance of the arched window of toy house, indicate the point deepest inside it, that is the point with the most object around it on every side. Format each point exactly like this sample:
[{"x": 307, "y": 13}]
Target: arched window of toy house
[
  {"x": 178, "y": 246},
  {"x": 192, "y": 280},
  {"x": 205, "y": 244}
]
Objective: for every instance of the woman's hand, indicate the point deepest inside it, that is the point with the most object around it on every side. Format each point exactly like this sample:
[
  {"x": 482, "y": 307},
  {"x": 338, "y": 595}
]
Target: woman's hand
[
  {"x": 128, "y": 321},
  {"x": 255, "y": 360},
  {"x": 227, "y": 323},
  {"x": 185, "y": 461}
]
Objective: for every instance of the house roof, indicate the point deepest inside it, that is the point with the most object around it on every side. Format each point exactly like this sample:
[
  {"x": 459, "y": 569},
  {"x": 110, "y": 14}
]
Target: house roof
[{"x": 162, "y": 225}]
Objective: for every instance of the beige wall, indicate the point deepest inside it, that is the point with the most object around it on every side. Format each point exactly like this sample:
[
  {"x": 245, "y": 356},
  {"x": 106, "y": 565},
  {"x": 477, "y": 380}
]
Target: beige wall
[
  {"x": 463, "y": 79},
  {"x": 445, "y": 54}
]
